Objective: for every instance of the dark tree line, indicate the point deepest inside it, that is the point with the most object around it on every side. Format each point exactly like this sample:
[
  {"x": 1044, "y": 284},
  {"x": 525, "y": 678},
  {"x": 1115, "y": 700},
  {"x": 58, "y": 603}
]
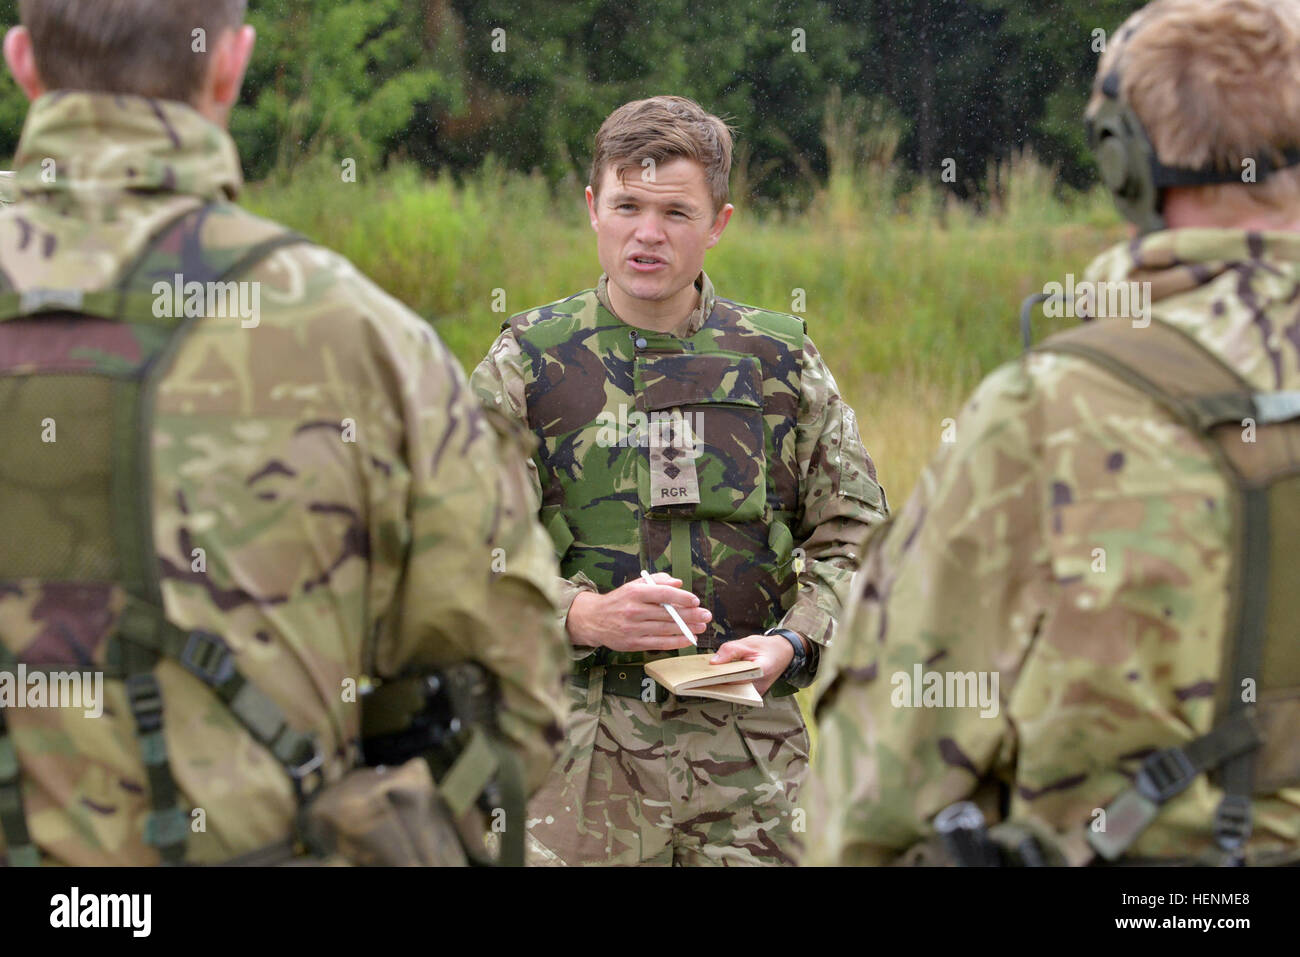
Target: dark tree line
[{"x": 446, "y": 83}]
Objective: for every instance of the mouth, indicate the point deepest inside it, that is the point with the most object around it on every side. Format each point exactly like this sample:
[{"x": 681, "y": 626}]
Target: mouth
[{"x": 645, "y": 262}]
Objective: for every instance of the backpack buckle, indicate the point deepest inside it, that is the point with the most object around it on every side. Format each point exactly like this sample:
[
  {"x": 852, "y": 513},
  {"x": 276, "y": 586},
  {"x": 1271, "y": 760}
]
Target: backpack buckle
[
  {"x": 208, "y": 657},
  {"x": 1165, "y": 774},
  {"x": 1232, "y": 822},
  {"x": 298, "y": 773},
  {"x": 145, "y": 699}
]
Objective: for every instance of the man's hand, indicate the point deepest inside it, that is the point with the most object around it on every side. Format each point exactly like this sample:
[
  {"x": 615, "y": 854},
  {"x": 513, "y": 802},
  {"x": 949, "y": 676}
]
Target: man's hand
[
  {"x": 772, "y": 652},
  {"x": 632, "y": 617}
]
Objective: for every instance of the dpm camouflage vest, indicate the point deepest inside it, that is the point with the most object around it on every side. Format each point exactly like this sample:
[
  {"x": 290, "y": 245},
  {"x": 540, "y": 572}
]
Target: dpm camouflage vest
[{"x": 715, "y": 507}]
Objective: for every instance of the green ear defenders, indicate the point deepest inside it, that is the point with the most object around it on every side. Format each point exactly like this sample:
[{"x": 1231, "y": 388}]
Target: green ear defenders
[{"x": 1135, "y": 176}]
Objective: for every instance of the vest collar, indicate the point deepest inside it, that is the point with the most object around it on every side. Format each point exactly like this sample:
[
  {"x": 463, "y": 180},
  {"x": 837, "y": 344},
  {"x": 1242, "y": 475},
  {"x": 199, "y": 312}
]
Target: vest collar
[{"x": 694, "y": 322}]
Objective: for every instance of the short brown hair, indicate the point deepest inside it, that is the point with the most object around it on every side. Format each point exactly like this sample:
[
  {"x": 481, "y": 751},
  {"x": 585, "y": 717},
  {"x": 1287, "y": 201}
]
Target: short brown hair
[
  {"x": 1214, "y": 82},
  {"x": 145, "y": 47},
  {"x": 663, "y": 128}
]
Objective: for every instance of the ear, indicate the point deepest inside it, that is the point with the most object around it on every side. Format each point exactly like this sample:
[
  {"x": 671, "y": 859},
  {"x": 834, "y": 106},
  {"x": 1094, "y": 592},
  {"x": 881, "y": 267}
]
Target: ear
[
  {"x": 719, "y": 224},
  {"x": 591, "y": 209},
  {"x": 229, "y": 63},
  {"x": 22, "y": 62}
]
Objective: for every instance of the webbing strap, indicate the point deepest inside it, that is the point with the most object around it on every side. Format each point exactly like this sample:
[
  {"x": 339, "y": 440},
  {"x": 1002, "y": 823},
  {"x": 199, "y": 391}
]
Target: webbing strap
[
  {"x": 1167, "y": 364},
  {"x": 209, "y": 658},
  {"x": 1165, "y": 775},
  {"x": 144, "y": 634},
  {"x": 513, "y": 797},
  {"x": 679, "y": 549},
  {"x": 492, "y": 769},
  {"x": 1232, "y": 819},
  {"x": 466, "y": 779},
  {"x": 166, "y": 825},
  {"x": 256, "y": 253},
  {"x": 628, "y": 680},
  {"x": 486, "y": 765}
]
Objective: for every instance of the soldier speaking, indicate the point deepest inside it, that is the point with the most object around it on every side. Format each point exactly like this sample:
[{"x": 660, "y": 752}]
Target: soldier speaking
[{"x": 744, "y": 490}]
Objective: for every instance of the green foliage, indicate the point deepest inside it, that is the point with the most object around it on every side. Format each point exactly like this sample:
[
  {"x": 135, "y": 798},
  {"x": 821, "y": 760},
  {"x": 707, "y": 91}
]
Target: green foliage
[
  {"x": 13, "y": 105},
  {"x": 344, "y": 80},
  {"x": 566, "y": 66},
  {"x": 1060, "y": 43},
  {"x": 428, "y": 82}
]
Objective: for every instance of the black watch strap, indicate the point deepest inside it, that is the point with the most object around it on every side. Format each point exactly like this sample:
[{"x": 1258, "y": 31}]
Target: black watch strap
[{"x": 791, "y": 673}]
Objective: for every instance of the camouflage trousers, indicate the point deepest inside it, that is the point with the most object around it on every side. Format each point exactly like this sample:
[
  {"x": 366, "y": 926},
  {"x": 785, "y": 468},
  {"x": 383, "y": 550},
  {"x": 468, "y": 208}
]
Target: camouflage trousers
[{"x": 686, "y": 782}]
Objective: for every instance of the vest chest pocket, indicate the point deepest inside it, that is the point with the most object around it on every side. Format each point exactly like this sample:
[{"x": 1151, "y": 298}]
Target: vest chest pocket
[{"x": 705, "y": 444}]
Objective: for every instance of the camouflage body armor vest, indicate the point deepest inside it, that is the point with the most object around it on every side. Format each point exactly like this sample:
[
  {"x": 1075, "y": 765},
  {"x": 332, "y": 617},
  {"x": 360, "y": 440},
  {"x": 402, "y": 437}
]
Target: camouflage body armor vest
[
  {"x": 1254, "y": 745},
  {"x": 670, "y": 454}
]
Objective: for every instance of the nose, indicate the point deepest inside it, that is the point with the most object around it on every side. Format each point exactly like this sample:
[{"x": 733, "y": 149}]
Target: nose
[{"x": 649, "y": 229}]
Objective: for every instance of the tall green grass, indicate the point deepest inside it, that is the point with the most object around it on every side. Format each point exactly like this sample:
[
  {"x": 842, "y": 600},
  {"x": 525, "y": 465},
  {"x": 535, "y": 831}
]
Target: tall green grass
[{"x": 911, "y": 296}]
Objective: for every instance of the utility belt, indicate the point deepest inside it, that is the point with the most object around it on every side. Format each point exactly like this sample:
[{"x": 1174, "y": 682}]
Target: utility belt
[{"x": 625, "y": 674}]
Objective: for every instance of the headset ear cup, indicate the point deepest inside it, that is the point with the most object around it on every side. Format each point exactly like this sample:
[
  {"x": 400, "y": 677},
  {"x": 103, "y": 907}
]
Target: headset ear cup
[
  {"x": 1126, "y": 161},
  {"x": 1113, "y": 161}
]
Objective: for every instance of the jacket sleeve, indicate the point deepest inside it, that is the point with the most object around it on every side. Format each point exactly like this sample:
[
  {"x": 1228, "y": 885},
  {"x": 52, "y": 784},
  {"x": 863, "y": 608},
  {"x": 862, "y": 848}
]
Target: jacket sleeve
[
  {"x": 950, "y": 585},
  {"x": 841, "y": 500},
  {"x": 480, "y": 574},
  {"x": 498, "y": 381}
]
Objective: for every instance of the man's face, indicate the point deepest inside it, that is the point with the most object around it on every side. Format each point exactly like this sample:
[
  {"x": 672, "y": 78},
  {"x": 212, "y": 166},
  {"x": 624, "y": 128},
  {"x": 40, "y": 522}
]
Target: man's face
[{"x": 653, "y": 227}]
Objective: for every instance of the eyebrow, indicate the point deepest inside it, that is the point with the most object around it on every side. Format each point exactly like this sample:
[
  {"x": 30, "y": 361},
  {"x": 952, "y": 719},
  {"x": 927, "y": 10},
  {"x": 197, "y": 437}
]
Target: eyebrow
[{"x": 623, "y": 196}]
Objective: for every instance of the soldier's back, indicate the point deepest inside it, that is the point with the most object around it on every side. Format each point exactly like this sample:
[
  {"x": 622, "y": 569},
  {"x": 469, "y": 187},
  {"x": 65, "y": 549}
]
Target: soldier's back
[
  {"x": 1079, "y": 542},
  {"x": 310, "y": 441}
]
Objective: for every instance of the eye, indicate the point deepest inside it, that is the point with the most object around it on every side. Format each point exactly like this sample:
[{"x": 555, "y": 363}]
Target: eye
[
  {"x": 625, "y": 206},
  {"x": 676, "y": 212}
]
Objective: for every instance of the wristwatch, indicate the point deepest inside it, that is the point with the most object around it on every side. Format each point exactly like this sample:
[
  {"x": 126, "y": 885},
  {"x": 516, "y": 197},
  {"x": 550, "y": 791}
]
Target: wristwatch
[{"x": 793, "y": 671}]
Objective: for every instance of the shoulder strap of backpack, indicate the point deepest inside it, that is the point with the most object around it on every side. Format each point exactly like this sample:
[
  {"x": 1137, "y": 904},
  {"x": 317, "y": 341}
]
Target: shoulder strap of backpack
[{"x": 1214, "y": 402}]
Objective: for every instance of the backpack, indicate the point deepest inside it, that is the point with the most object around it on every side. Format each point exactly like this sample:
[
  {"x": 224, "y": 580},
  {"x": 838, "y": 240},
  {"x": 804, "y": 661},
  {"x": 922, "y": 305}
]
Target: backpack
[
  {"x": 80, "y": 514},
  {"x": 1253, "y": 747}
]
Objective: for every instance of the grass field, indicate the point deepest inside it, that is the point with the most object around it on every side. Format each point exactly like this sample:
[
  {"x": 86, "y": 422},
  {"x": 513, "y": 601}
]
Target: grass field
[{"x": 910, "y": 300}]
